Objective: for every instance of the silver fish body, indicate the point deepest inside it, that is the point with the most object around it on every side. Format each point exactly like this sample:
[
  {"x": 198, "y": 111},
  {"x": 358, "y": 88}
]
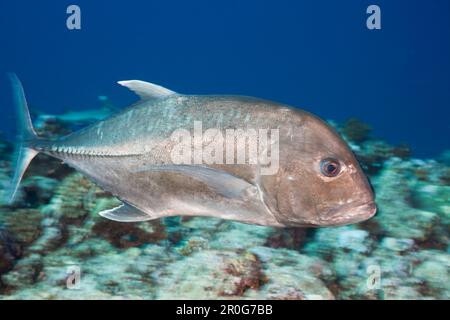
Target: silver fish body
[{"x": 131, "y": 156}]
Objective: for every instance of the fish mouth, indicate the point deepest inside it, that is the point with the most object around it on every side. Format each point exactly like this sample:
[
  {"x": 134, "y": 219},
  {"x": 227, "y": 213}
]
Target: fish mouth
[{"x": 349, "y": 213}]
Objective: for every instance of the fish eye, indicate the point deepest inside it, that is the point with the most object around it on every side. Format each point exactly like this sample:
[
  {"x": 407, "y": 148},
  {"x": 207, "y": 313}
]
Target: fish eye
[{"x": 330, "y": 167}]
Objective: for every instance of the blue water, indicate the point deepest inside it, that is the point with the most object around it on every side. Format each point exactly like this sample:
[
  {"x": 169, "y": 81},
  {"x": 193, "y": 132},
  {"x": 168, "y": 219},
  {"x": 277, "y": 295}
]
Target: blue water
[{"x": 316, "y": 55}]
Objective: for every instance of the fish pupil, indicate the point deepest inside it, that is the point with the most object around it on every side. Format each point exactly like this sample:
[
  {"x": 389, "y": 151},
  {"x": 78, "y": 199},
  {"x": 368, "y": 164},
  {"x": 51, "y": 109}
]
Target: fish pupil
[{"x": 331, "y": 168}]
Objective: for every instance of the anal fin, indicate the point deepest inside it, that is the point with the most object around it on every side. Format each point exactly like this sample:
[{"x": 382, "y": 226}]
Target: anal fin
[{"x": 125, "y": 213}]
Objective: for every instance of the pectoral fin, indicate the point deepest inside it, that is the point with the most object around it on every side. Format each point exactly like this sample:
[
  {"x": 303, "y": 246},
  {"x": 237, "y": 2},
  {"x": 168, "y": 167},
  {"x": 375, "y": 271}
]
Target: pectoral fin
[
  {"x": 220, "y": 181},
  {"x": 125, "y": 213}
]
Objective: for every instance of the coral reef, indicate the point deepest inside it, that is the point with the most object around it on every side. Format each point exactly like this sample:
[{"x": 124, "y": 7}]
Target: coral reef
[
  {"x": 53, "y": 228},
  {"x": 10, "y": 250},
  {"x": 227, "y": 274}
]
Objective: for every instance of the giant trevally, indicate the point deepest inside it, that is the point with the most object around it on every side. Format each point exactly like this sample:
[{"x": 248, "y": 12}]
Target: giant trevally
[{"x": 303, "y": 174}]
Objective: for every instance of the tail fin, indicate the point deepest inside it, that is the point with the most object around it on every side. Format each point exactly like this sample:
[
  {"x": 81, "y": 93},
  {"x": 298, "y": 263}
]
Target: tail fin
[{"x": 24, "y": 151}]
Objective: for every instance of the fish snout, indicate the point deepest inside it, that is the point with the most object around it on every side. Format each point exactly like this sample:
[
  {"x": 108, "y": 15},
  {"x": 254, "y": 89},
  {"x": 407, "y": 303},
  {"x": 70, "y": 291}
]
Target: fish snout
[{"x": 349, "y": 213}]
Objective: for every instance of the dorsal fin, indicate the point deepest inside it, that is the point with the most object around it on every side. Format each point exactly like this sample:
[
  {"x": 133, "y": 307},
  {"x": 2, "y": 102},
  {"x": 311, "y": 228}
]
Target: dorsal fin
[{"x": 146, "y": 90}]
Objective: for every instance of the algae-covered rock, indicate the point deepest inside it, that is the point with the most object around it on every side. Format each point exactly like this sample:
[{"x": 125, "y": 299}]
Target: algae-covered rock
[
  {"x": 397, "y": 245},
  {"x": 355, "y": 130},
  {"x": 346, "y": 250},
  {"x": 434, "y": 198},
  {"x": 26, "y": 272},
  {"x": 434, "y": 270},
  {"x": 107, "y": 273},
  {"x": 10, "y": 250},
  {"x": 125, "y": 235},
  {"x": 341, "y": 239},
  {"x": 192, "y": 245},
  {"x": 73, "y": 197},
  {"x": 396, "y": 215},
  {"x": 210, "y": 274},
  {"x": 290, "y": 238},
  {"x": 38, "y": 190},
  {"x": 236, "y": 235},
  {"x": 24, "y": 224},
  {"x": 216, "y": 233},
  {"x": 290, "y": 275}
]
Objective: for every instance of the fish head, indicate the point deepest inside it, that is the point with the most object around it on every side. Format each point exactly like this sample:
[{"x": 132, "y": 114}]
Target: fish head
[{"x": 321, "y": 182}]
